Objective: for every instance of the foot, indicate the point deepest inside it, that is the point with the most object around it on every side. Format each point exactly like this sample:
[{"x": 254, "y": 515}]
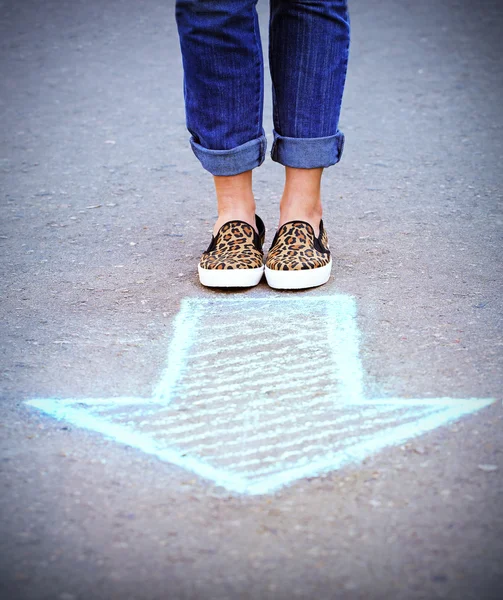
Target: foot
[
  {"x": 298, "y": 258},
  {"x": 234, "y": 257}
]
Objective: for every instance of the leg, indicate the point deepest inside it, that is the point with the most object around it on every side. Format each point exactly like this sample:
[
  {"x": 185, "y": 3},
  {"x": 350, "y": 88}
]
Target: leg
[
  {"x": 308, "y": 54},
  {"x": 223, "y": 84}
]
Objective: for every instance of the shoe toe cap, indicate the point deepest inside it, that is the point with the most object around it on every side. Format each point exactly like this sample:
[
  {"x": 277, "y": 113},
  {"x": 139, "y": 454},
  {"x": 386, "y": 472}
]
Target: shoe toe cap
[{"x": 228, "y": 260}]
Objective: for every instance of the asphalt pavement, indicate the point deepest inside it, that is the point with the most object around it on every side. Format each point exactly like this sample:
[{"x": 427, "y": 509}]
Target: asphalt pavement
[{"x": 105, "y": 212}]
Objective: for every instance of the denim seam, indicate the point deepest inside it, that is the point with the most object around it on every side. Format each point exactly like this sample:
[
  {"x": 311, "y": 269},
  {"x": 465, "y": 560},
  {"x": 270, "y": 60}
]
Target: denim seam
[
  {"x": 275, "y": 109},
  {"x": 258, "y": 49},
  {"x": 346, "y": 61}
]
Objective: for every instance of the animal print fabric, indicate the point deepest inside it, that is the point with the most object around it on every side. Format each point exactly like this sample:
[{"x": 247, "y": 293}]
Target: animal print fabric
[
  {"x": 236, "y": 246},
  {"x": 296, "y": 248}
]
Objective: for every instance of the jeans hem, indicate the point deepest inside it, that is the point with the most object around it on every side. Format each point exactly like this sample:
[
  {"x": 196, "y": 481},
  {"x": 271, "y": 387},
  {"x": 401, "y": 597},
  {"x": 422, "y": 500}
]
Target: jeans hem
[
  {"x": 236, "y": 160},
  {"x": 307, "y": 153}
]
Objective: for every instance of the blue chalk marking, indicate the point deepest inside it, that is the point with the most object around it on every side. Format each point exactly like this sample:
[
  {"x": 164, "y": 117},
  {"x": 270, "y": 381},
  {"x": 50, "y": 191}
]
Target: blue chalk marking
[{"x": 260, "y": 392}]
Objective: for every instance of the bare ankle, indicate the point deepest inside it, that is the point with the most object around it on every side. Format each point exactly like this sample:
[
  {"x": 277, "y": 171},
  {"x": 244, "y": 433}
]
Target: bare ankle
[
  {"x": 301, "y": 200},
  {"x": 235, "y": 215},
  {"x": 235, "y": 199},
  {"x": 299, "y": 213}
]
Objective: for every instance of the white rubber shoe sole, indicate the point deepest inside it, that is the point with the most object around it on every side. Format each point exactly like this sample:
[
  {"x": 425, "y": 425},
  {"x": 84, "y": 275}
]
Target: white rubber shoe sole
[
  {"x": 297, "y": 280},
  {"x": 230, "y": 277}
]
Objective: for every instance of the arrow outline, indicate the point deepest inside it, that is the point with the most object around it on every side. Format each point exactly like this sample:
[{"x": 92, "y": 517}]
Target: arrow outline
[{"x": 342, "y": 317}]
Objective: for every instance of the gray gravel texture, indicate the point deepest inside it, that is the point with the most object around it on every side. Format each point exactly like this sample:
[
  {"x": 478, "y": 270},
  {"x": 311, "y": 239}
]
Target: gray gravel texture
[{"x": 104, "y": 214}]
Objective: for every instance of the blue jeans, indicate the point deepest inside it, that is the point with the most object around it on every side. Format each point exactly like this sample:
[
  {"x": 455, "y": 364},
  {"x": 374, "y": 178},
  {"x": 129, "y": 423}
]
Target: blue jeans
[{"x": 224, "y": 81}]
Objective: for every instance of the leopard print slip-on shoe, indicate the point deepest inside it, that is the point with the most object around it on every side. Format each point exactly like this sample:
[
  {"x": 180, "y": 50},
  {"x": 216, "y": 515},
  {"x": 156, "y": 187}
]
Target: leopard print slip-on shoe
[
  {"x": 297, "y": 258},
  {"x": 234, "y": 257}
]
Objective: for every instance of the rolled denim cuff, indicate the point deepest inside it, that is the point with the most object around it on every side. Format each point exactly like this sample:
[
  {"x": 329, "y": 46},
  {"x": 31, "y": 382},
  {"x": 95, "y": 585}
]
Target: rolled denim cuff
[
  {"x": 307, "y": 153},
  {"x": 237, "y": 160}
]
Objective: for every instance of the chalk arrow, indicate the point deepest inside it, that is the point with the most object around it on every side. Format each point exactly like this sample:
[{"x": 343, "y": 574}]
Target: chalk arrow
[{"x": 260, "y": 392}]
